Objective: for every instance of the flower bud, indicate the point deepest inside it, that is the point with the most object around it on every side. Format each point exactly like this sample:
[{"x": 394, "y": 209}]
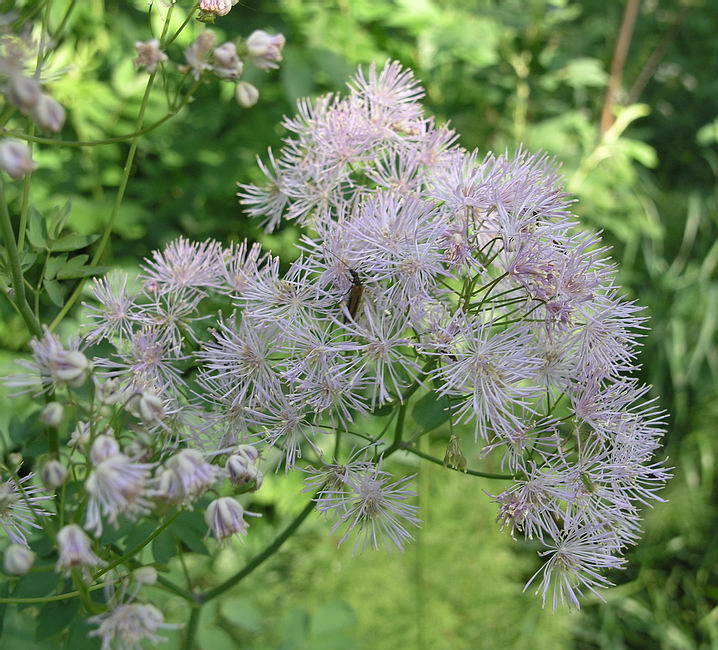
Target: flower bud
[
  {"x": 249, "y": 452},
  {"x": 24, "y": 92},
  {"x": 110, "y": 392},
  {"x": 103, "y": 447},
  {"x": 80, "y": 437},
  {"x": 15, "y": 158},
  {"x": 18, "y": 559},
  {"x": 53, "y": 474},
  {"x": 52, "y": 414},
  {"x": 146, "y": 575},
  {"x": 225, "y": 517},
  {"x": 75, "y": 550},
  {"x": 71, "y": 368},
  {"x": 148, "y": 407},
  {"x": 264, "y": 49},
  {"x": 246, "y": 94},
  {"x": 15, "y": 459},
  {"x": 149, "y": 55},
  {"x": 48, "y": 114},
  {"x": 227, "y": 63},
  {"x": 211, "y": 8}
]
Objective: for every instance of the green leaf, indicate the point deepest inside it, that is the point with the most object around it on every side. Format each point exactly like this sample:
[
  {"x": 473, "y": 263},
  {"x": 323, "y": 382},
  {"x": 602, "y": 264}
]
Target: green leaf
[
  {"x": 139, "y": 534},
  {"x": 78, "y": 638},
  {"x": 35, "y": 585},
  {"x": 57, "y": 219},
  {"x": 73, "y": 265},
  {"x": 54, "y": 292},
  {"x": 73, "y": 242},
  {"x": 37, "y": 229},
  {"x": 83, "y": 272},
  {"x": 55, "y": 617},
  {"x": 163, "y": 547},
  {"x": 242, "y": 613},
  {"x": 190, "y": 529},
  {"x": 430, "y": 411},
  {"x": 54, "y": 264}
]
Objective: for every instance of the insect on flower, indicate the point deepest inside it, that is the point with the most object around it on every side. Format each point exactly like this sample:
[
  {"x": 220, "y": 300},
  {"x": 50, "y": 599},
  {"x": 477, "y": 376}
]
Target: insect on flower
[{"x": 356, "y": 291}]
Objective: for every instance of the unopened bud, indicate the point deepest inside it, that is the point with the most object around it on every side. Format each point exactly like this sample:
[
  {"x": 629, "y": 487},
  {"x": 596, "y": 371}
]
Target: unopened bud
[
  {"x": 52, "y": 414},
  {"x": 265, "y": 50},
  {"x": 23, "y": 91},
  {"x": 48, "y": 114},
  {"x": 72, "y": 368},
  {"x": 15, "y": 158},
  {"x": 15, "y": 459},
  {"x": 145, "y": 575},
  {"x": 18, "y": 559},
  {"x": 246, "y": 94},
  {"x": 211, "y": 8},
  {"x": 249, "y": 452},
  {"x": 53, "y": 474},
  {"x": 109, "y": 392},
  {"x": 103, "y": 447},
  {"x": 80, "y": 436},
  {"x": 225, "y": 517},
  {"x": 148, "y": 407},
  {"x": 227, "y": 63}
]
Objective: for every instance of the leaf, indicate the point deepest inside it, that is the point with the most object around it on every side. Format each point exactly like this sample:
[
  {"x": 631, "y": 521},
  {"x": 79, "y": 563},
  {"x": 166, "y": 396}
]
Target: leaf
[
  {"x": 35, "y": 585},
  {"x": 54, "y": 292},
  {"x": 190, "y": 538},
  {"x": 55, "y": 617},
  {"x": 37, "y": 229},
  {"x": 139, "y": 534},
  {"x": 78, "y": 638},
  {"x": 430, "y": 411},
  {"x": 83, "y": 272},
  {"x": 54, "y": 264},
  {"x": 163, "y": 547},
  {"x": 242, "y": 613},
  {"x": 73, "y": 242},
  {"x": 73, "y": 265},
  {"x": 57, "y": 219}
]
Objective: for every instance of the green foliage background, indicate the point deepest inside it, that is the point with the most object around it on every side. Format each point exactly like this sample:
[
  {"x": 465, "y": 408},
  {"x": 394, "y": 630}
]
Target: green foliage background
[{"x": 504, "y": 72}]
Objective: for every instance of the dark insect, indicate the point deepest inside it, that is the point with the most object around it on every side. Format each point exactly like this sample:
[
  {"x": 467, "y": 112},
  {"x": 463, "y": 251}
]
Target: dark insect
[
  {"x": 356, "y": 291},
  {"x": 355, "y": 294}
]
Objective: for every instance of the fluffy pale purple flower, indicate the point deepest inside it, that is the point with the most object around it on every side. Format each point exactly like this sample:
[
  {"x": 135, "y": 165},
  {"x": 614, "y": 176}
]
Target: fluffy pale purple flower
[{"x": 20, "y": 508}]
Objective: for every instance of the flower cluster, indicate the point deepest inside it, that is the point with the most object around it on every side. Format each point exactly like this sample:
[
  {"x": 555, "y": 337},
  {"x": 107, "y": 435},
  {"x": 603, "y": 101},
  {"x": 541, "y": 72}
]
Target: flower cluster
[
  {"x": 205, "y": 57},
  {"x": 25, "y": 93},
  {"x": 423, "y": 267}
]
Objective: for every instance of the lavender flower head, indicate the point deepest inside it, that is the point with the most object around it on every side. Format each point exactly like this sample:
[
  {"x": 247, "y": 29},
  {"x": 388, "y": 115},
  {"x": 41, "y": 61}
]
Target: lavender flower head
[{"x": 423, "y": 267}]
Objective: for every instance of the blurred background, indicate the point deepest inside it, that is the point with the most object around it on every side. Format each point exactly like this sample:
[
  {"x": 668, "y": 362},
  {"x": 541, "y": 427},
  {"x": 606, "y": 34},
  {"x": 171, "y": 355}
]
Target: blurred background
[{"x": 637, "y": 136}]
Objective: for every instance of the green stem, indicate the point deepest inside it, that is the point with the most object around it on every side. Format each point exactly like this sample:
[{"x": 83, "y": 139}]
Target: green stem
[
  {"x": 259, "y": 559},
  {"x": 183, "y": 25},
  {"x": 46, "y": 599},
  {"x": 15, "y": 268},
  {"x": 192, "y": 628},
  {"x": 136, "y": 549},
  {"x": 472, "y": 472}
]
